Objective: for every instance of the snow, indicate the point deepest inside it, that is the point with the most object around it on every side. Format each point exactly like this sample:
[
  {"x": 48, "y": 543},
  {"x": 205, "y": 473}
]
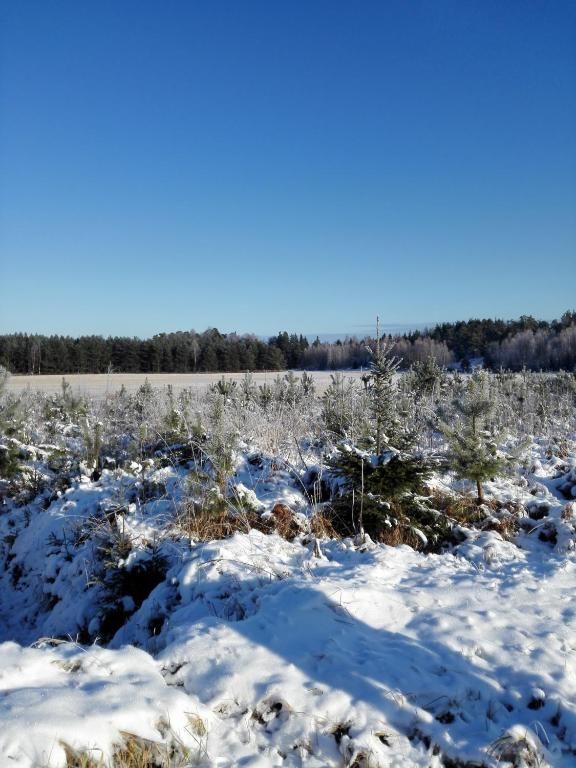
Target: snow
[
  {"x": 65, "y": 694},
  {"x": 98, "y": 385},
  {"x": 254, "y": 651},
  {"x": 274, "y": 650}
]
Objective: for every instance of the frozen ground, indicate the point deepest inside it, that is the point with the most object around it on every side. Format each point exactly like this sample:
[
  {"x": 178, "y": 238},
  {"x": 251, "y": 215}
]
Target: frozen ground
[
  {"x": 98, "y": 385},
  {"x": 255, "y": 651}
]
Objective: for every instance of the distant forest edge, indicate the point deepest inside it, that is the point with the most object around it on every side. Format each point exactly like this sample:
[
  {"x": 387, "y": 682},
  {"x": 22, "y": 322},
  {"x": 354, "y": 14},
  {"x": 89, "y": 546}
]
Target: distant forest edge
[{"x": 512, "y": 344}]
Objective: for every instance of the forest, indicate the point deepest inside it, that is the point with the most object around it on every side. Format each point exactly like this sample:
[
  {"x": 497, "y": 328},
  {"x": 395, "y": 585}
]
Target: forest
[{"x": 526, "y": 343}]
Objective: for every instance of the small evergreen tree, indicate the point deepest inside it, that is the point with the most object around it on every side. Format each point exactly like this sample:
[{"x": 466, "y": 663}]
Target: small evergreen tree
[
  {"x": 337, "y": 408},
  {"x": 472, "y": 450},
  {"x": 382, "y": 394},
  {"x": 367, "y": 485},
  {"x": 386, "y": 475},
  {"x": 427, "y": 377},
  {"x": 369, "y": 481}
]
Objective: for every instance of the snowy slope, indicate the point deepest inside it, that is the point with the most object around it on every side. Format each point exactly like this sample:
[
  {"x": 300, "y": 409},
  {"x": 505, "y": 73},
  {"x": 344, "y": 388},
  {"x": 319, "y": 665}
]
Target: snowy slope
[{"x": 253, "y": 651}]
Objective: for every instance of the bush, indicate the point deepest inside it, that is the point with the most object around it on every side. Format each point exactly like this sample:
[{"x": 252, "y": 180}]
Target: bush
[{"x": 366, "y": 485}]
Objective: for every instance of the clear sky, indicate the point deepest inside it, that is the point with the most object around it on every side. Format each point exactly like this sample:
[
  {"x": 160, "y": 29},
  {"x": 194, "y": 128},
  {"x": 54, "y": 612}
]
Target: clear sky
[{"x": 299, "y": 165}]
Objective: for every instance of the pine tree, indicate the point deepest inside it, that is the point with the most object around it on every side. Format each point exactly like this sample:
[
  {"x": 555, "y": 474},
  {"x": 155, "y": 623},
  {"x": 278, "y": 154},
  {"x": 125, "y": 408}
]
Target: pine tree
[
  {"x": 386, "y": 475},
  {"x": 369, "y": 481},
  {"x": 337, "y": 408},
  {"x": 427, "y": 377},
  {"x": 472, "y": 449},
  {"x": 382, "y": 393}
]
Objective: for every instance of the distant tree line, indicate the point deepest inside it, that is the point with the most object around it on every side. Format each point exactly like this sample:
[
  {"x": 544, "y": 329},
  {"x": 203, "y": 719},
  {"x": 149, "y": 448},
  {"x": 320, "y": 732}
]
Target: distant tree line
[
  {"x": 469, "y": 339},
  {"x": 546, "y": 349},
  {"x": 181, "y": 352},
  {"x": 352, "y": 353},
  {"x": 514, "y": 344}
]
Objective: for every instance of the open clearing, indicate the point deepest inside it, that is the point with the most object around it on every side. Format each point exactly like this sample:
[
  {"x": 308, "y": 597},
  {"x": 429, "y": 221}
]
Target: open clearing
[{"x": 100, "y": 384}]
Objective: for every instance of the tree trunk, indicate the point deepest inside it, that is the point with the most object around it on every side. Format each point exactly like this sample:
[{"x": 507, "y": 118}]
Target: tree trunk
[{"x": 480, "y": 491}]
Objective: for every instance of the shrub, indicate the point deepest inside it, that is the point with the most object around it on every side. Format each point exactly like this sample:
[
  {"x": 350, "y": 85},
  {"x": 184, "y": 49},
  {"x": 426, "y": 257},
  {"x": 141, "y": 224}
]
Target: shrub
[
  {"x": 472, "y": 450},
  {"x": 366, "y": 484}
]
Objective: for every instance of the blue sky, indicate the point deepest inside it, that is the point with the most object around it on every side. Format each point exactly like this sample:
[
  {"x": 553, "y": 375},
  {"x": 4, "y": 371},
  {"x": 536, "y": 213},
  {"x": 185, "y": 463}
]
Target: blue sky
[{"x": 299, "y": 165}]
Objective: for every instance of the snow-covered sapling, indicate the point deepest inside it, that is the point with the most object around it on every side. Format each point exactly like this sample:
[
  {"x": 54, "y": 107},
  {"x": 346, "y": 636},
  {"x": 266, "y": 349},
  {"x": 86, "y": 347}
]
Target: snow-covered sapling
[{"x": 472, "y": 445}]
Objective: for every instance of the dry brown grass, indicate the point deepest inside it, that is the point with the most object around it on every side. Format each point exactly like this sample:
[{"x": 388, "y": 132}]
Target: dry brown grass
[
  {"x": 492, "y": 516},
  {"x": 399, "y": 530},
  {"x": 210, "y": 522},
  {"x": 203, "y": 523},
  {"x": 568, "y": 513},
  {"x": 284, "y": 522},
  {"x": 86, "y": 759},
  {"x": 506, "y": 525},
  {"x": 134, "y": 751},
  {"x": 322, "y": 526},
  {"x": 398, "y": 534},
  {"x": 459, "y": 507}
]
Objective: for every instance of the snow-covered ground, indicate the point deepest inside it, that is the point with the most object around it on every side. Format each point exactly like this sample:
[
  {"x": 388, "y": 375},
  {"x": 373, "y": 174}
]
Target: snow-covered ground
[
  {"x": 98, "y": 385},
  {"x": 258, "y": 651}
]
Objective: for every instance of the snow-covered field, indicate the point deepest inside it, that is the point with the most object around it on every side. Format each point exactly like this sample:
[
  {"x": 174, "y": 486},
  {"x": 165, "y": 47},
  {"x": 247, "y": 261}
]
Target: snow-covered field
[
  {"x": 128, "y": 638},
  {"x": 98, "y": 385}
]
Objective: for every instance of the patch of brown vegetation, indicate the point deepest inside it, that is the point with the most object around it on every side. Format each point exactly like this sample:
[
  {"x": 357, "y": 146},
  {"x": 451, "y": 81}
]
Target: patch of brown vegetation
[
  {"x": 398, "y": 529},
  {"x": 507, "y": 526},
  {"x": 206, "y": 523},
  {"x": 285, "y": 523},
  {"x": 459, "y": 507},
  {"x": 77, "y": 759},
  {"x": 322, "y": 526}
]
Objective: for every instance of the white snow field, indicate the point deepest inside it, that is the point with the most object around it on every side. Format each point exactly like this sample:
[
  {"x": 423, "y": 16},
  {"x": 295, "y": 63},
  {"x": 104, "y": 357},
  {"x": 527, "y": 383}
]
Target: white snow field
[
  {"x": 255, "y": 651},
  {"x": 98, "y": 385}
]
